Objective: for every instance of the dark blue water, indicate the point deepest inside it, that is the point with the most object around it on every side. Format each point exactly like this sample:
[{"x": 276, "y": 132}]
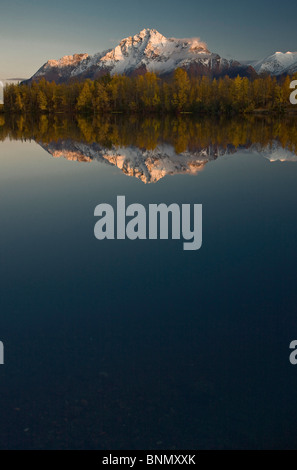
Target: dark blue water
[{"x": 138, "y": 344}]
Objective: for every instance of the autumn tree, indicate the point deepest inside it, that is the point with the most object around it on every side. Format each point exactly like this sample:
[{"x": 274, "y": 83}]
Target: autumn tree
[
  {"x": 181, "y": 88},
  {"x": 85, "y": 99}
]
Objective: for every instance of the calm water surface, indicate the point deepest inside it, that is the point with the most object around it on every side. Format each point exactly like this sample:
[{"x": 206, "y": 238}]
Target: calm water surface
[{"x": 139, "y": 344}]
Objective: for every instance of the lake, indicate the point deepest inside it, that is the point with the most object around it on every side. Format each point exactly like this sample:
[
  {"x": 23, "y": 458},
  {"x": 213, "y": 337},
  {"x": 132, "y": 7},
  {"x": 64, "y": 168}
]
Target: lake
[{"x": 138, "y": 344}]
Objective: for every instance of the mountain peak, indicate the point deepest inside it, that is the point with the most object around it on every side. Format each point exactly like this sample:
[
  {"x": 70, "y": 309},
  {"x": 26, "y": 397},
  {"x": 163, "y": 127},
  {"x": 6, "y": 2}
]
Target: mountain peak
[
  {"x": 148, "y": 31},
  {"x": 145, "y": 36},
  {"x": 278, "y": 63},
  {"x": 146, "y": 51}
]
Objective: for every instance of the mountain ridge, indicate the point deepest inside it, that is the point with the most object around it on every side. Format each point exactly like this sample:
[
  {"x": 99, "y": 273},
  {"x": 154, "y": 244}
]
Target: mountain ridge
[
  {"x": 277, "y": 64},
  {"x": 147, "y": 51}
]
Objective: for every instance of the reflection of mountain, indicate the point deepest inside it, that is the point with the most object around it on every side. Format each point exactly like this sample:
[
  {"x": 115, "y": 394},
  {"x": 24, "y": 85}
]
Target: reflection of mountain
[
  {"x": 147, "y": 165},
  {"x": 274, "y": 152},
  {"x": 152, "y": 165},
  {"x": 151, "y": 147}
]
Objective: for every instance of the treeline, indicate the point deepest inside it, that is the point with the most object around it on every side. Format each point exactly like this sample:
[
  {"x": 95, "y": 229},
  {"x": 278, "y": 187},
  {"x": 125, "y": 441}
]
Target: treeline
[
  {"x": 182, "y": 132},
  {"x": 149, "y": 94}
]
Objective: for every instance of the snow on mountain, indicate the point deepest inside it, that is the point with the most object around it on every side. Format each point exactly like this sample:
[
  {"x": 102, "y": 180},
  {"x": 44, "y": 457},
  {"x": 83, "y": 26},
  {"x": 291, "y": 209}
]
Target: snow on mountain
[
  {"x": 153, "y": 51},
  {"x": 147, "y": 51},
  {"x": 292, "y": 68},
  {"x": 57, "y": 70},
  {"x": 277, "y": 63}
]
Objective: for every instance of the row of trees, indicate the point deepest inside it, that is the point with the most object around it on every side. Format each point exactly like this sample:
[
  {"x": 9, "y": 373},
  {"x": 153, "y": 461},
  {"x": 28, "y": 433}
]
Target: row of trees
[{"x": 148, "y": 93}]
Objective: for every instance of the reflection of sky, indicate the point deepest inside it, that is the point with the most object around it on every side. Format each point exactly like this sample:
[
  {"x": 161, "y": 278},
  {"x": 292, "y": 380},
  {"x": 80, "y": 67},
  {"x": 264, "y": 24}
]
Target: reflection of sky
[
  {"x": 47, "y": 204},
  {"x": 204, "y": 334},
  {"x": 34, "y": 31}
]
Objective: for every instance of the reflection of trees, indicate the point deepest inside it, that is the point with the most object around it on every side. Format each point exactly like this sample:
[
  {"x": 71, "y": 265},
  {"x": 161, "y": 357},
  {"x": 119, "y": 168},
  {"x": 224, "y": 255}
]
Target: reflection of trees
[{"x": 183, "y": 132}]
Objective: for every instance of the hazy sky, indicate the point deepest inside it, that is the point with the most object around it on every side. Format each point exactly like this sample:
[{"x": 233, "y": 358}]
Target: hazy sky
[{"x": 33, "y": 31}]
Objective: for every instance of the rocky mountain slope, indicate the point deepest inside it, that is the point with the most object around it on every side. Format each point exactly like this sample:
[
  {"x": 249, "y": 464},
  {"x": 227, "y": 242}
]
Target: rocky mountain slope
[
  {"x": 147, "y": 51},
  {"x": 277, "y": 64}
]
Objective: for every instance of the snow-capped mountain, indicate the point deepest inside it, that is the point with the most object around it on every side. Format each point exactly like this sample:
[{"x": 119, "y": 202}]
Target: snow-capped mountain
[
  {"x": 147, "y": 51},
  {"x": 277, "y": 63}
]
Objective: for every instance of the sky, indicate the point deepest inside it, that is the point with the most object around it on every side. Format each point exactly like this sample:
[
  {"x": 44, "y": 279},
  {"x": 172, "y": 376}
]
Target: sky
[{"x": 34, "y": 31}]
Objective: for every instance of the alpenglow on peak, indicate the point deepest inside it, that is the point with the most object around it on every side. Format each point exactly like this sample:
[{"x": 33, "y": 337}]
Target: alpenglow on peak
[{"x": 147, "y": 51}]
